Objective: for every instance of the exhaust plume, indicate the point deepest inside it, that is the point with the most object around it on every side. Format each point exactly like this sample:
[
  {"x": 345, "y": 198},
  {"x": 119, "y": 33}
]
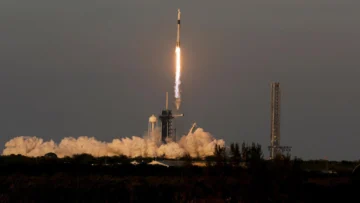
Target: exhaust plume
[
  {"x": 177, "y": 78},
  {"x": 198, "y": 144}
]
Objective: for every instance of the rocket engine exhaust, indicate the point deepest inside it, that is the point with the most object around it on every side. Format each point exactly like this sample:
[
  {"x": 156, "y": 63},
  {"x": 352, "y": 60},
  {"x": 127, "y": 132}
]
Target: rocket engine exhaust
[{"x": 178, "y": 66}]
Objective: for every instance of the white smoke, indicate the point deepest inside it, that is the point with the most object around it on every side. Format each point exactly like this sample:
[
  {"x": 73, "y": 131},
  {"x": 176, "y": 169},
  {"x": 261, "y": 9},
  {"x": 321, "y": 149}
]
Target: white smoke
[{"x": 198, "y": 144}]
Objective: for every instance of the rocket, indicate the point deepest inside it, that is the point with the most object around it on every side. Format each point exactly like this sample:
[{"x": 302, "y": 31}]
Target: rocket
[
  {"x": 178, "y": 30},
  {"x": 178, "y": 66}
]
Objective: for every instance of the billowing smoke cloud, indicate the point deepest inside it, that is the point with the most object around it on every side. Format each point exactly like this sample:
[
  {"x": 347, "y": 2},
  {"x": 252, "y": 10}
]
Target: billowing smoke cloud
[{"x": 198, "y": 144}]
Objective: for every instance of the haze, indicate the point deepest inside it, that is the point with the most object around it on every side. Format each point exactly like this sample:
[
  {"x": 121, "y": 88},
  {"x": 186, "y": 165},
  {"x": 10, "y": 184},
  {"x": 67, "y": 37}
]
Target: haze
[{"x": 101, "y": 68}]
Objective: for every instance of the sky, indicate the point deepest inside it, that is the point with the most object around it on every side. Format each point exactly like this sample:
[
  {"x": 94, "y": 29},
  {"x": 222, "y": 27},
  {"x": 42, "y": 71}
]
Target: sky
[{"x": 101, "y": 68}]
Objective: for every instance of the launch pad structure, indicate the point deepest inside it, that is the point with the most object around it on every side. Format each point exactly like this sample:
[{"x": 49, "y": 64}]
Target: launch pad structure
[
  {"x": 275, "y": 148},
  {"x": 166, "y": 118}
]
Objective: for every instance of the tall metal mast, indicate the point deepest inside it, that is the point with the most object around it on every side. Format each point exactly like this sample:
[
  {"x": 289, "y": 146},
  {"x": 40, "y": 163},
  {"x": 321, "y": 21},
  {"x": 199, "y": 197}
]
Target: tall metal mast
[{"x": 275, "y": 147}]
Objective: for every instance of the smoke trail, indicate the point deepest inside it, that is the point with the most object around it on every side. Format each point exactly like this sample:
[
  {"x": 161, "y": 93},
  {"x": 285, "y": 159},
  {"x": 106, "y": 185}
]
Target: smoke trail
[
  {"x": 197, "y": 144},
  {"x": 177, "y": 78}
]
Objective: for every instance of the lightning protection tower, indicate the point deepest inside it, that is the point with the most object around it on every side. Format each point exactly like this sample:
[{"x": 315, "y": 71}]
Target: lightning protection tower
[{"x": 275, "y": 147}]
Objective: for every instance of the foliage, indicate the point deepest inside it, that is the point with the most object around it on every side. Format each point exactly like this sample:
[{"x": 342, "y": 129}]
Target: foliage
[
  {"x": 83, "y": 159},
  {"x": 188, "y": 160},
  {"x": 251, "y": 152},
  {"x": 26, "y": 179},
  {"x": 235, "y": 155},
  {"x": 220, "y": 155}
]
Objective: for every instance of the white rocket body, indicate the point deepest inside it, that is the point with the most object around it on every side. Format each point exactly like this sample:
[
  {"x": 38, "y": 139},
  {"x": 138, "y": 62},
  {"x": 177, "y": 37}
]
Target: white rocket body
[{"x": 178, "y": 30}]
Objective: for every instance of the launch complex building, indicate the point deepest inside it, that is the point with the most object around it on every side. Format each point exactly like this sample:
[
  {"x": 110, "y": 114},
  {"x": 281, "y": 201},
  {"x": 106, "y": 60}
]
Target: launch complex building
[{"x": 167, "y": 116}]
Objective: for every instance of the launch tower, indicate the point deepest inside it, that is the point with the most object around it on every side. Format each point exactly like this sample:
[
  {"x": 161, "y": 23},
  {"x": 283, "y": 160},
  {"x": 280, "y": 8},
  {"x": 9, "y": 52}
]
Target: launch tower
[
  {"x": 275, "y": 147},
  {"x": 166, "y": 121}
]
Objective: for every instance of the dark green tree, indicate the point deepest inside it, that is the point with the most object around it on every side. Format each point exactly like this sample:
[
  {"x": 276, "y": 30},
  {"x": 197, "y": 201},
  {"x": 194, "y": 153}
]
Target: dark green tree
[
  {"x": 255, "y": 152},
  {"x": 187, "y": 160},
  {"x": 209, "y": 160},
  {"x": 83, "y": 159},
  {"x": 220, "y": 155},
  {"x": 235, "y": 155},
  {"x": 244, "y": 151}
]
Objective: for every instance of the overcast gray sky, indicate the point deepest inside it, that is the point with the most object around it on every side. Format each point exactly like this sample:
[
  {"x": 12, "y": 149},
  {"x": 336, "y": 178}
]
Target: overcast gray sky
[{"x": 101, "y": 68}]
